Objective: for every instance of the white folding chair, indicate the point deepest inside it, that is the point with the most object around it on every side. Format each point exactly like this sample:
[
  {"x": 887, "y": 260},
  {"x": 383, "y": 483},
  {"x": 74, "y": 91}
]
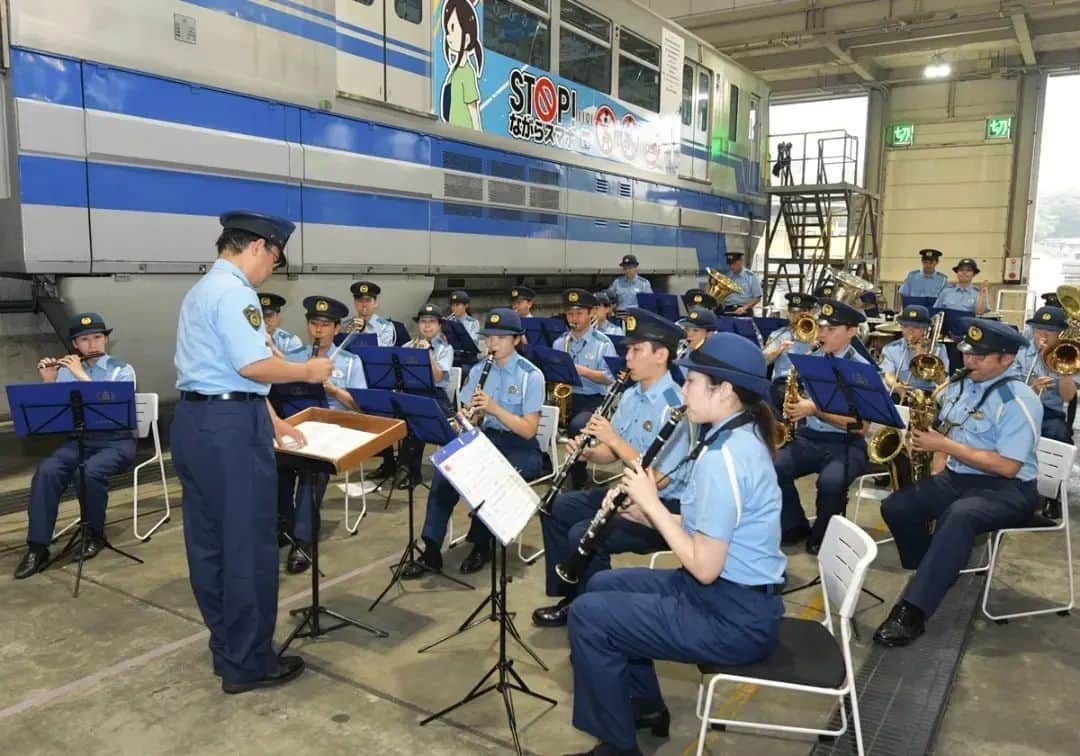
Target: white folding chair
[
  {"x": 870, "y": 486},
  {"x": 810, "y": 658},
  {"x": 454, "y": 387},
  {"x": 1055, "y": 464},
  {"x": 347, "y": 489},
  {"x": 146, "y": 416}
]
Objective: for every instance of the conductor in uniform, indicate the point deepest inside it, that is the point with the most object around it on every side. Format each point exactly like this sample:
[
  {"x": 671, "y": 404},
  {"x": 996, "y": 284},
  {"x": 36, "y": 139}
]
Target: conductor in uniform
[
  {"x": 223, "y": 437},
  {"x": 990, "y": 425}
]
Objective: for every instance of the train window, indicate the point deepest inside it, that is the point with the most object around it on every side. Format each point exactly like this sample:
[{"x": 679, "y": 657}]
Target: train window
[
  {"x": 703, "y": 90},
  {"x": 733, "y": 114},
  {"x": 585, "y": 47},
  {"x": 639, "y": 71},
  {"x": 687, "y": 109},
  {"x": 514, "y": 29},
  {"x": 364, "y": 2},
  {"x": 409, "y": 10}
]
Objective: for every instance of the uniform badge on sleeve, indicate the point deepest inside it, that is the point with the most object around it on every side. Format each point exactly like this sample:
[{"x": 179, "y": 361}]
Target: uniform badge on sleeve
[{"x": 254, "y": 317}]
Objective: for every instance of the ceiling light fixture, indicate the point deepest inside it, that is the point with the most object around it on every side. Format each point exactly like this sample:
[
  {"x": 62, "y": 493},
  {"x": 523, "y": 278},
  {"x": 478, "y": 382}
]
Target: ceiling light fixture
[{"x": 938, "y": 68}]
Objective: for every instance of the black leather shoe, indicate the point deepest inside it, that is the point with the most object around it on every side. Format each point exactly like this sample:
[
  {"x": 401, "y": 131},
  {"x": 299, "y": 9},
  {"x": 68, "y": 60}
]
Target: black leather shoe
[
  {"x": 658, "y": 722},
  {"x": 94, "y": 545},
  {"x": 794, "y": 536},
  {"x": 475, "y": 561},
  {"x": 429, "y": 561},
  {"x": 905, "y": 623},
  {"x": 299, "y": 558},
  {"x": 288, "y": 668},
  {"x": 552, "y": 616},
  {"x": 34, "y": 560},
  {"x": 1051, "y": 508}
]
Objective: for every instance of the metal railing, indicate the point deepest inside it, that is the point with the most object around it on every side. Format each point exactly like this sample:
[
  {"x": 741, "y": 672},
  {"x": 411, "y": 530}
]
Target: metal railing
[{"x": 814, "y": 157}]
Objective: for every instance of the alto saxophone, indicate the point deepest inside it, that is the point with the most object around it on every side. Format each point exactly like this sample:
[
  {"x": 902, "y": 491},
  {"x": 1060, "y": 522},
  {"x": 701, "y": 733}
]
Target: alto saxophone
[{"x": 791, "y": 395}]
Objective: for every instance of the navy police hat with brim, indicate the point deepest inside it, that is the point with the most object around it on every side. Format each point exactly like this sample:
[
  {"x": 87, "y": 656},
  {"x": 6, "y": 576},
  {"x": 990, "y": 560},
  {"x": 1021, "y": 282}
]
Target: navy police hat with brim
[
  {"x": 85, "y": 323},
  {"x": 699, "y": 317},
  {"x": 582, "y": 298},
  {"x": 984, "y": 336},
  {"x": 459, "y": 296},
  {"x": 522, "y": 292},
  {"x": 642, "y": 325},
  {"x": 1050, "y": 299},
  {"x": 502, "y": 321},
  {"x": 966, "y": 262},
  {"x": 362, "y": 289},
  {"x": 930, "y": 254},
  {"x": 628, "y": 261},
  {"x": 276, "y": 231},
  {"x": 699, "y": 298},
  {"x": 824, "y": 292},
  {"x": 324, "y": 308},
  {"x": 836, "y": 313},
  {"x": 1049, "y": 319},
  {"x": 602, "y": 299},
  {"x": 914, "y": 315},
  {"x": 271, "y": 301},
  {"x": 733, "y": 256},
  {"x": 731, "y": 358},
  {"x": 429, "y": 311},
  {"x": 796, "y": 300}
]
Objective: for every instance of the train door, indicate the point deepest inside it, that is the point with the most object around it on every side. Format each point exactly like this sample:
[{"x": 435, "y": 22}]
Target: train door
[
  {"x": 754, "y": 134},
  {"x": 695, "y": 111},
  {"x": 361, "y": 51}
]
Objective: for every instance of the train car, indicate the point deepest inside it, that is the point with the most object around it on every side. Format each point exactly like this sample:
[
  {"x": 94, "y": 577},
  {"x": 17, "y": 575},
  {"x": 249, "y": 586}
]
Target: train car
[{"x": 429, "y": 144}]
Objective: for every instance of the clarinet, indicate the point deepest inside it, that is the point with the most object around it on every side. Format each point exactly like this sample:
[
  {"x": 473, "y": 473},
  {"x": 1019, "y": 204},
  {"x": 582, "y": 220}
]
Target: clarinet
[
  {"x": 605, "y": 410},
  {"x": 574, "y": 567},
  {"x": 484, "y": 372},
  {"x": 314, "y": 349}
]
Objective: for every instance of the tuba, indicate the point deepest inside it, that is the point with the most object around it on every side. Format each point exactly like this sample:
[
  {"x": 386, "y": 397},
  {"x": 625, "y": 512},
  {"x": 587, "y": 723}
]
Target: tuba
[
  {"x": 849, "y": 288},
  {"x": 1064, "y": 357},
  {"x": 720, "y": 287}
]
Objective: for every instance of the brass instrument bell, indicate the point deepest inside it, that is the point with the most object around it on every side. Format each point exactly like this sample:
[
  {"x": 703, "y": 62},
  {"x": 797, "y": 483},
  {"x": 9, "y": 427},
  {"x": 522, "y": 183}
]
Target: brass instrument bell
[{"x": 720, "y": 287}]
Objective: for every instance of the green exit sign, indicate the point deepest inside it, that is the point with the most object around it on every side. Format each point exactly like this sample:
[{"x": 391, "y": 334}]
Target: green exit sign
[
  {"x": 999, "y": 127},
  {"x": 902, "y": 135}
]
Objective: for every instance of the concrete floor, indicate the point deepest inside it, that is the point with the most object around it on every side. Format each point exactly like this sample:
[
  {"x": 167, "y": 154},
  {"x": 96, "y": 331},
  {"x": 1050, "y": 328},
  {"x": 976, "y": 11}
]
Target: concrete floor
[{"x": 125, "y": 669}]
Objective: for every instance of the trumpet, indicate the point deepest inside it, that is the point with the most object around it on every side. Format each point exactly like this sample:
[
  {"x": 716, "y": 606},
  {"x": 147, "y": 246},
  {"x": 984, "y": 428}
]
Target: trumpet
[
  {"x": 418, "y": 343},
  {"x": 805, "y": 329}
]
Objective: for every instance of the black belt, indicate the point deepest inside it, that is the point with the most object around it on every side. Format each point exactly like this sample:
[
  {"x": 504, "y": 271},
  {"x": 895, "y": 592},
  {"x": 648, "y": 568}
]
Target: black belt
[
  {"x": 769, "y": 589},
  {"x": 230, "y": 396}
]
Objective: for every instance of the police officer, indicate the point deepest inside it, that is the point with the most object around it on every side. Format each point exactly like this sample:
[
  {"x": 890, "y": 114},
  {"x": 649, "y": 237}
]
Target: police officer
[
  {"x": 324, "y": 315},
  {"x": 825, "y": 291},
  {"x": 507, "y": 408},
  {"x": 927, "y": 282},
  {"x": 1050, "y": 299},
  {"x": 223, "y": 435},
  {"x": 286, "y": 343},
  {"x": 643, "y": 409},
  {"x": 963, "y": 295},
  {"x": 601, "y": 315},
  {"x": 624, "y": 289},
  {"x": 107, "y": 452},
  {"x": 521, "y": 301},
  {"x": 697, "y": 324},
  {"x": 459, "y": 311},
  {"x": 782, "y": 342},
  {"x": 741, "y": 303},
  {"x": 897, "y": 355},
  {"x": 698, "y": 298},
  {"x": 723, "y": 604},
  {"x": 822, "y": 443},
  {"x": 441, "y": 354},
  {"x": 366, "y": 298},
  {"x": 588, "y": 348},
  {"x": 1055, "y": 389},
  {"x": 991, "y": 426}
]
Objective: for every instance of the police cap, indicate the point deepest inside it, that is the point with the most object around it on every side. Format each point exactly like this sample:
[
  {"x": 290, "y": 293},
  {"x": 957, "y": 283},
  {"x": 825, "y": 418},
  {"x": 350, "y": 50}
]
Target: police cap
[
  {"x": 698, "y": 298},
  {"x": 276, "y": 231},
  {"x": 87, "y": 322},
  {"x": 642, "y": 325},
  {"x": 731, "y": 358},
  {"x": 502, "y": 321},
  {"x": 459, "y": 296},
  {"x": 796, "y": 300},
  {"x": 628, "y": 261},
  {"x": 930, "y": 254},
  {"x": 1049, "y": 319},
  {"x": 362, "y": 289},
  {"x": 915, "y": 315},
  {"x": 522, "y": 292},
  {"x": 966, "y": 262},
  {"x": 324, "y": 308},
  {"x": 271, "y": 301},
  {"x": 991, "y": 337},
  {"x": 699, "y": 317},
  {"x": 578, "y": 298},
  {"x": 602, "y": 298},
  {"x": 1050, "y": 299},
  {"x": 429, "y": 311},
  {"x": 835, "y": 313}
]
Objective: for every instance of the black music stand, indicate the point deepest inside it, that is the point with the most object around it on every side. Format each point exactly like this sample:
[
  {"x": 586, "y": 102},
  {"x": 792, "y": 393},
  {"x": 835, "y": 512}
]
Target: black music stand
[
  {"x": 76, "y": 409},
  {"x": 425, "y": 421},
  {"x": 466, "y": 351},
  {"x": 619, "y": 342},
  {"x": 556, "y": 365},
  {"x": 849, "y": 388}
]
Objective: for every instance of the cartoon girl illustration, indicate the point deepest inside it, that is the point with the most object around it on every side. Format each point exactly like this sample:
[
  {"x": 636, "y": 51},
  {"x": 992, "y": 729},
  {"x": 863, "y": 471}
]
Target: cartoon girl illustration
[{"x": 465, "y": 62}]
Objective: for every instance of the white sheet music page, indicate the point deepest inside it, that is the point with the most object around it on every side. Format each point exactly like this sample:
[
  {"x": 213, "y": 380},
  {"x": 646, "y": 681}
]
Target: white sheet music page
[
  {"x": 329, "y": 441},
  {"x": 485, "y": 479}
]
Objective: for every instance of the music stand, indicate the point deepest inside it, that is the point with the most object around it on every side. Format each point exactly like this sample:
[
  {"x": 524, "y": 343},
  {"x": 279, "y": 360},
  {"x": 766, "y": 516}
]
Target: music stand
[
  {"x": 506, "y": 677},
  {"x": 667, "y": 306},
  {"x": 424, "y": 420},
  {"x": 927, "y": 302},
  {"x": 75, "y": 408},
  {"x": 556, "y": 365},
  {"x": 616, "y": 364},
  {"x": 386, "y": 431},
  {"x": 766, "y": 326},
  {"x": 466, "y": 351},
  {"x": 849, "y": 388},
  {"x": 619, "y": 342}
]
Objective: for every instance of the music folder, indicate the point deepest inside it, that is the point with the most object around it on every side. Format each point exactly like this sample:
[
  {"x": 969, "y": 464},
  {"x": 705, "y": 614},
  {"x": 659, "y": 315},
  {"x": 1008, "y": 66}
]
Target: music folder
[{"x": 340, "y": 439}]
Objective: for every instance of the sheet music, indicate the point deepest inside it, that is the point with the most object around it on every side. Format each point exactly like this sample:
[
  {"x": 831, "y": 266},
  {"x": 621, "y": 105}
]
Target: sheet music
[
  {"x": 329, "y": 440},
  {"x": 485, "y": 479}
]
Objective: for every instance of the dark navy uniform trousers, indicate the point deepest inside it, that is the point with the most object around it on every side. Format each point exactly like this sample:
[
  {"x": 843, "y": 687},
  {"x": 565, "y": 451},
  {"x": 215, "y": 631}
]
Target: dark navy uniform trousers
[
  {"x": 224, "y": 457},
  {"x": 581, "y": 409},
  {"x": 570, "y": 516},
  {"x": 821, "y": 453},
  {"x": 104, "y": 457},
  {"x": 961, "y": 507},
  {"x": 522, "y": 453},
  {"x": 627, "y": 618},
  {"x": 294, "y": 501},
  {"x": 1055, "y": 426}
]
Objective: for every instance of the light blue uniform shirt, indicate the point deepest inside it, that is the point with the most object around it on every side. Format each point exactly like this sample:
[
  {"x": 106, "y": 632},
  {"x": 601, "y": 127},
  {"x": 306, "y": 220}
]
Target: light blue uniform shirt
[
  {"x": 782, "y": 364},
  {"x": 1009, "y": 423},
  {"x": 953, "y": 297},
  {"x": 285, "y": 342},
  {"x": 751, "y": 288},
  {"x": 816, "y": 423},
  {"x": 383, "y": 328},
  {"x": 348, "y": 372},
  {"x": 610, "y": 329},
  {"x": 105, "y": 368},
  {"x": 918, "y": 284},
  {"x": 638, "y": 419},
  {"x": 734, "y": 497},
  {"x": 896, "y": 359},
  {"x": 444, "y": 358},
  {"x": 589, "y": 351},
  {"x": 1051, "y": 397},
  {"x": 472, "y": 325},
  {"x": 220, "y": 331},
  {"x": 518, "y": 387},
  {"x": 625, "y": 291}
]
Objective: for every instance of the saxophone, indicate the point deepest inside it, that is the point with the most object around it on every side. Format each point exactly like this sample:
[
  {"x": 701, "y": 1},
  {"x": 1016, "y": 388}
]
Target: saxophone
[{"x": 791, "y": 395}]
